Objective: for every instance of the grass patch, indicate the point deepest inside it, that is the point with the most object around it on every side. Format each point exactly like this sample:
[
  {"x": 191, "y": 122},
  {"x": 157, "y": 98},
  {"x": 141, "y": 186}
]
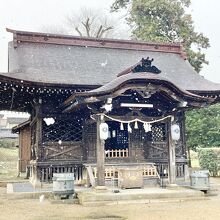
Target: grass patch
[
  {"x": 8, "y": 143},
  {"x": 8, "y": 163},
  {"x": 10, "y": 154}
]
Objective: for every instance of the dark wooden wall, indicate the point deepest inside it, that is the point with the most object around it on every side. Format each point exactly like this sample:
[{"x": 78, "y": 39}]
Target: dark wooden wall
[
  {"x": 89, "y": 141},
  {"x": 78, "y": 143},
  {"x": 24, "y": 148}
]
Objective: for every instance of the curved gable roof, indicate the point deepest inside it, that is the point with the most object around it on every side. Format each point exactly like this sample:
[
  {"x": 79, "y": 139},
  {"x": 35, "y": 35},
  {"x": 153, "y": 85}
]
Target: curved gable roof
[{"x": 132, "y": 81}]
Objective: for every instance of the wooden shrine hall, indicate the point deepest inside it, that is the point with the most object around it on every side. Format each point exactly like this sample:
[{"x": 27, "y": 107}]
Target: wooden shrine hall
[{"x": 101, "y": 106}]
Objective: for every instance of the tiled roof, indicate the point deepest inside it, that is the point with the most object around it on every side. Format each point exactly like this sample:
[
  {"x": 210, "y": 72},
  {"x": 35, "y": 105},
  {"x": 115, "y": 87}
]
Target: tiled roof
[{"x": 58, "y": 59}]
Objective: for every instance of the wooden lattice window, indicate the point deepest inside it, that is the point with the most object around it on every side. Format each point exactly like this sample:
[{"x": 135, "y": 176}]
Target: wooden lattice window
[
  {"x": 89, "y": 133},
  {"x": 139, "y": 135},
  {"x": 158, "y": 132},
  {"x": 122, "y": 137},
  {"x": 64, "y": 129}
]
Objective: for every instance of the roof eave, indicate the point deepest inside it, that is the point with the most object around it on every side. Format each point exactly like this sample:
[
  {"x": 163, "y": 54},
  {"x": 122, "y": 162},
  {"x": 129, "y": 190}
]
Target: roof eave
[
  {"x": 4, "y": 78},
  {"x": 17, "y": 128}
]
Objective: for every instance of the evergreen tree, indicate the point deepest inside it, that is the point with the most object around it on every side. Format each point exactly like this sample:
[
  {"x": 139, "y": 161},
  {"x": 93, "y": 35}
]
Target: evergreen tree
[
  {"x": 165, "y": 21},
  {"x": 203, "y": 127}
]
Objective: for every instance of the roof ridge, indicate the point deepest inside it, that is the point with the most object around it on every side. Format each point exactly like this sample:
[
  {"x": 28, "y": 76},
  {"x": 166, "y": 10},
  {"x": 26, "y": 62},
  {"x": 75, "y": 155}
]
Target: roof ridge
[{"x": 47, "y": 38}]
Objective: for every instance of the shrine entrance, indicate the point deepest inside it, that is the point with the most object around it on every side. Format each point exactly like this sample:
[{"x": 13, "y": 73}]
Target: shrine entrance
[
  {"x": 140, "y": 110},
  {"x": 117, "y": 145}
]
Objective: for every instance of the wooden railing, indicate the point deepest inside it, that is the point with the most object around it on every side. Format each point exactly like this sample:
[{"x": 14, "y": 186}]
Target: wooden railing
[
  {"x": 112, "y": 172},
  {"x": 180, "y": 169},
  {"x": 150, "y": 171},
  {"x": 117, "y": 153},
  {"x": 46, "y": 172}
]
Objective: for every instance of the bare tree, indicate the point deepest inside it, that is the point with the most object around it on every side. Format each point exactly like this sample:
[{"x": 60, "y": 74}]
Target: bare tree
[{"x": 91, "y": 23}]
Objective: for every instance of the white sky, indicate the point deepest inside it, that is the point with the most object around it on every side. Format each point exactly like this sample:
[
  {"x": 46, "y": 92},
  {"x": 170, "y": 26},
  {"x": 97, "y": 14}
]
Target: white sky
[{"x": 32, "y": 15}]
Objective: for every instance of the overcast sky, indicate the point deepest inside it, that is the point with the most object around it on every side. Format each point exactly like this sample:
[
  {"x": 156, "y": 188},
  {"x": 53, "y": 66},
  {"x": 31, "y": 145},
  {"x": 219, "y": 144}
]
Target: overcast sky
[{"x": 32, "y": 15}]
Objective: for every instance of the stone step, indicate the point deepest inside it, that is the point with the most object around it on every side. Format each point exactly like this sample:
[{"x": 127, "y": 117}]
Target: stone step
[
  {"x": 127, "y": 195},
  {"x": 142, "y": 201}
]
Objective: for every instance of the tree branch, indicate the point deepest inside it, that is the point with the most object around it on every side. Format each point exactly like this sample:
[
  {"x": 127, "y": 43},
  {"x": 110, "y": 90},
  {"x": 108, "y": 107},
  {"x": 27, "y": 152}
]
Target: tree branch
[
  {"x": 105, "y": 30},
  {"x": 87, "y": 26},
  {"x": 99, "y": 31},
  {"x": 78, "y": 31}
]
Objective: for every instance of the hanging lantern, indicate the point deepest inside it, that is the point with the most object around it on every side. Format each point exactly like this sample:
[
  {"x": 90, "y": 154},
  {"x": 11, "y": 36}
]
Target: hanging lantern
[
  {"x": 129, "y": 128},
  {"x": 103, "y": 131},
  {"x": 175, "y": 132},
  {"x": 136, "y": 125},
  {"x": 121, "y": 127}
]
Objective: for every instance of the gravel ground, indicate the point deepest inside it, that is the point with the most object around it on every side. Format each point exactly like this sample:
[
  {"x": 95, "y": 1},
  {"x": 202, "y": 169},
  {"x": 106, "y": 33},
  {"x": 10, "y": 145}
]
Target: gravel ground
[{"x": 32, "y": 209}]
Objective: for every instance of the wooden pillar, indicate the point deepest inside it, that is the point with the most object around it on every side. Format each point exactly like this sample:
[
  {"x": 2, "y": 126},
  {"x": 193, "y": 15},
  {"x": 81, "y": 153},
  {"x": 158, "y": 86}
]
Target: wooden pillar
[
  {"x": 20, "y": 168},
  {"x": 100, "y": 155},
  {"x": 38, "y": 137},
  {"x": 38, "y": 131},
  {"x": 186, "y": 148},
  {"x": 171, "y": 157}
]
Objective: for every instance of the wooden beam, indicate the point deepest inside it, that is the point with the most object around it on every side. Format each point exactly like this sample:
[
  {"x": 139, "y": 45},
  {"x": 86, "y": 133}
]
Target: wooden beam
[
  {"x": 37, "y": 37},
  {"x": 64, "y": 143},
  {"x": 58, "y": 153},
  {"x": 33, "y": 121},
  {"x": 100, "y": 154}
]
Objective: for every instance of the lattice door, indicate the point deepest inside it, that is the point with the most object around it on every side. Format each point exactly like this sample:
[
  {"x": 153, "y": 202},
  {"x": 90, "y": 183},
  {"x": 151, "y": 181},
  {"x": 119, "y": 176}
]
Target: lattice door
[{"x": 156, "y": 146}]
